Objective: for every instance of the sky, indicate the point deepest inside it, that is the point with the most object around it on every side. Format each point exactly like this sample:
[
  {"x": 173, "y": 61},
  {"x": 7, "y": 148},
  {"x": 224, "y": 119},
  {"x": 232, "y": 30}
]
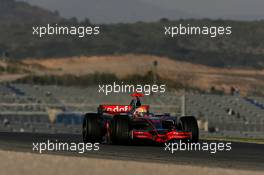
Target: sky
[{"x": 112, "y": 11}]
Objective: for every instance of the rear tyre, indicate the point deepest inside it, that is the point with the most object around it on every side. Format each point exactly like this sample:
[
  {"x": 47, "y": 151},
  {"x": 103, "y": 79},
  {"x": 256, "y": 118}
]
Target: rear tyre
[
  {"x": 189, "y": 124},
  {"x": 120, "y": 130},
  {"x": 91, "y": 130}
]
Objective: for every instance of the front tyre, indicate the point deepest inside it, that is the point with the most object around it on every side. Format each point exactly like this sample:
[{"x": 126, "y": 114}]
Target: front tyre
[
  {"x": 120, "y": 130},
  {"x": 189, "y": 123}
]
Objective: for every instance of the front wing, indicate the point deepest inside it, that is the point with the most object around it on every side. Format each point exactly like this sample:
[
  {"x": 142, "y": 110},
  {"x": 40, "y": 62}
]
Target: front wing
[{"x": 161, "y": 138}]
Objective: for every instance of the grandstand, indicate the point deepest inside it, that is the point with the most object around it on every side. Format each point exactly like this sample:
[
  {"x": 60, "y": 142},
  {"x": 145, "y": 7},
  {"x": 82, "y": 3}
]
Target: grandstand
[
  {"x": 28, "y": 108},
  {"x": 227, "y": 115}
]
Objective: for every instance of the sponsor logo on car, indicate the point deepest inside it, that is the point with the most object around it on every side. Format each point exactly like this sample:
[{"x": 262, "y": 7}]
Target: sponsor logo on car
[{"x": 120, "y": 108}]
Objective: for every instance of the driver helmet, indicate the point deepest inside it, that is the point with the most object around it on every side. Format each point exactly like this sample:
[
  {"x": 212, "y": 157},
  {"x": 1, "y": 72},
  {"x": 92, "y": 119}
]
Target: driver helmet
[{"x": 139, "y": 112}]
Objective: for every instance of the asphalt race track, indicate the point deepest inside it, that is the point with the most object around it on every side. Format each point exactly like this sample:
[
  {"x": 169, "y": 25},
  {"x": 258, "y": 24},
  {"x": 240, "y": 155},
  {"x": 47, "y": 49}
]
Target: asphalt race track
[{"x": 242, "y": 155}]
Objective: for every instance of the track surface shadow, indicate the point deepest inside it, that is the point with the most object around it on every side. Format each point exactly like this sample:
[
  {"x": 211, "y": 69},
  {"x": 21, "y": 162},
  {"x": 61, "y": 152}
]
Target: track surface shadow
[{"x": 242, "y": 156}]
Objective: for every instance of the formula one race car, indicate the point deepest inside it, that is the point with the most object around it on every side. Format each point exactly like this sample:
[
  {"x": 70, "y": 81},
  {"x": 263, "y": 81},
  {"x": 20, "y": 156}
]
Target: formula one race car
[{"x": 124, "y": 124}]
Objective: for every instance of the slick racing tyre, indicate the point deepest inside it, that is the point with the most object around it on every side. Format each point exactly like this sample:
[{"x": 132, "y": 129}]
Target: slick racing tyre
[
  {"x": 91, "y": 130},
  {"x": 189, "y": 123},
  {"x": 120, "y": 130}
]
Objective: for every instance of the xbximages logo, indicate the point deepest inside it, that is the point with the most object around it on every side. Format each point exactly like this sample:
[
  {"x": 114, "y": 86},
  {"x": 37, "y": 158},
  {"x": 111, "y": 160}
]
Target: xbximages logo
[
  {"x": 146, "y": 89},
  {"x": 64, "y": 146},
  {"x": 79, "y": 31}
]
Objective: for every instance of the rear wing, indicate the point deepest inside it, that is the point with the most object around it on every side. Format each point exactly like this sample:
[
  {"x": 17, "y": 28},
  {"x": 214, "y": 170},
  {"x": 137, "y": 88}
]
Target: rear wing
[{"x": 117, "y": 109}]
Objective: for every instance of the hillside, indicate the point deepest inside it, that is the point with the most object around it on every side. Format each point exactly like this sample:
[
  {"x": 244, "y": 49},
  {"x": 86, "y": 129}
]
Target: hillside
[
  {"x": 243, "y": 49},
  {"x": 12, "y": 12},
  {"x": 184, "y": 73},
  {"x": 113, "y": 11},
  {"x": 145, "y": 10}
]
